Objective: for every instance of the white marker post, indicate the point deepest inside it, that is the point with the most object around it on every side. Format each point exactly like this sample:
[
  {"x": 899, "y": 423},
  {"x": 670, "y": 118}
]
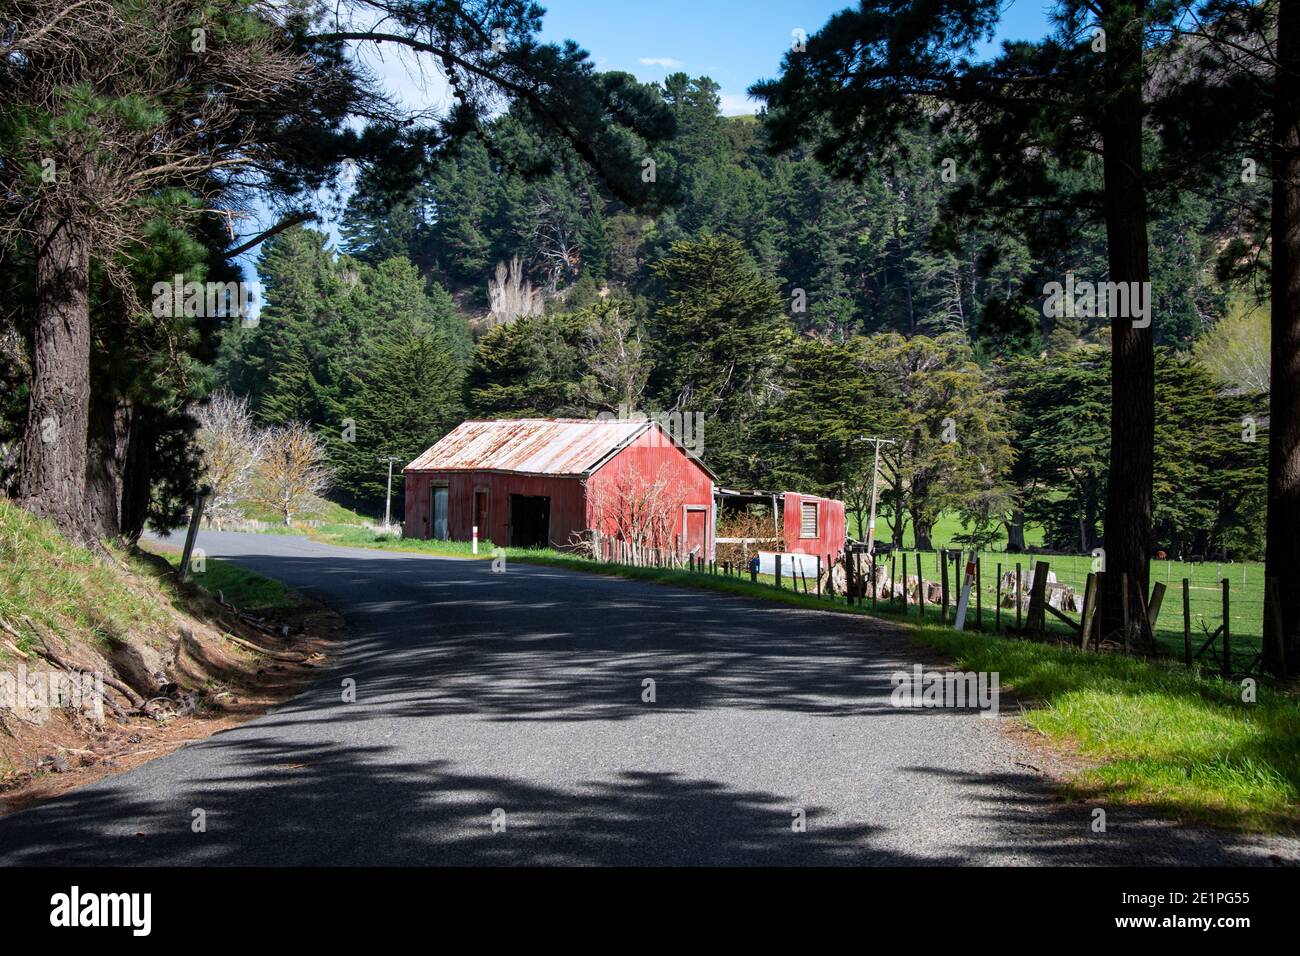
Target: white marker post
[
  {"x": 474, "y": 540},
  {"x": 965, "y": 591}
]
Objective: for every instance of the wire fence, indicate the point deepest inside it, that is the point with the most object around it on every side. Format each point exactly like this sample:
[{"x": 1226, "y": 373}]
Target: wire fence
[
  {"x": 1205, "y": 593},
  {"x": 912, "y": 583}
]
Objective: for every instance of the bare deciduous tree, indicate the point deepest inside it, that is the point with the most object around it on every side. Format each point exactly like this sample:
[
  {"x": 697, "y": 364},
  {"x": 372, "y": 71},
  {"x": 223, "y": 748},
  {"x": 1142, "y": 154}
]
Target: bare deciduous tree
[
  {"x": 555, "y": 240},
  {"x": 231, "y": 446},
  {"x": 291, "y": 470}
]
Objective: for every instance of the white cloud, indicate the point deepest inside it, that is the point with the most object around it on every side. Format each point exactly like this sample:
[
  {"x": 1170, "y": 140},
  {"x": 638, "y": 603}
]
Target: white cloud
[
  {"x": 736, "y": 104},
  {"x": 667, "y": 62}
]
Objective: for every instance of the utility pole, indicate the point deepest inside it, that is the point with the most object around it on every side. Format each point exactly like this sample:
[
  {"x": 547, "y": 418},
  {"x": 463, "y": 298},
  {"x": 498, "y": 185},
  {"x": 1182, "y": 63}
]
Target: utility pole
[
  {"x": 875, "y": 475},
  {"x": 388, "y": 498}
]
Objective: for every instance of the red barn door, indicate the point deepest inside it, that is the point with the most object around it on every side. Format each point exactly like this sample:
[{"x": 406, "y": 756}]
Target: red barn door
[{"x": 697, "y": 530}]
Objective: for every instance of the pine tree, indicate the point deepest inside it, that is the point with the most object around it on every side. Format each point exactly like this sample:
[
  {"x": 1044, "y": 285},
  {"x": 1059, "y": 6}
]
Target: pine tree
[
  {"x": 403, "y": 396},
  {"x": 529, "y": 368},
  {"x": 721, "y": 338}
]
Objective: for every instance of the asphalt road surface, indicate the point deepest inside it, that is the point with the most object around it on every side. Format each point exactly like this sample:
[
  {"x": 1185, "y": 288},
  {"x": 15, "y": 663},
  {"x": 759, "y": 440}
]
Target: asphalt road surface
[{"x": 499, "y": 719}]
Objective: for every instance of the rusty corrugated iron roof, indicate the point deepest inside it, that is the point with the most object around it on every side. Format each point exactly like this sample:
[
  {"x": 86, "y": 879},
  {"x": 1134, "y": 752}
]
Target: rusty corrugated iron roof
[{"x": 533, "y": 446}]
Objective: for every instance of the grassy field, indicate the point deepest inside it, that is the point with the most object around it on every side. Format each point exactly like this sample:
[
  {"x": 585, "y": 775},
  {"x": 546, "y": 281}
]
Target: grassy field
[
  {"x": 1205, "y": 593},
  {"x": 1245, "y": 584},
  {"x": 944, "y": 533},
  {"x": 320, "y": 509}
]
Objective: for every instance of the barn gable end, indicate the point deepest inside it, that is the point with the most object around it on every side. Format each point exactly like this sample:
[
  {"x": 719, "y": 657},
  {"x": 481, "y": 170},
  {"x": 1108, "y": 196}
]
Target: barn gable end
[{"x": 514, "y": 478}]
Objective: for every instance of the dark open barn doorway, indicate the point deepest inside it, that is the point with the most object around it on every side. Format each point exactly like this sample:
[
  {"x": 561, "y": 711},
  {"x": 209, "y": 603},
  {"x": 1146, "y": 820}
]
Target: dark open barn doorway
[{"x": 530, "y": 521}]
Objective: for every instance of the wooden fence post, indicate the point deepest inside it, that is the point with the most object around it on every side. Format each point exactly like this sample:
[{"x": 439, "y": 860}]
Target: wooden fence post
[
  {"x": 920, "y": 587},
  {"x": 1187, "y": 623},
  {"x": 904, "y": 563},
  {"x": 1153, "y": 607},
  {"x": 875, "y": 577},
  {"x": 1037, "y": 621},
  {"x": 1090, "y": 589},
  {"x": 1019, "y": 593},
  {"x": 943, "y": 587},
  {"x": 979, "y": 606},
  {"x": 819, "y": 575},
  {"x": 1227, "y": 641},
  {"x": 997, "y": 602},
  {"x": 191, "y": 534}
]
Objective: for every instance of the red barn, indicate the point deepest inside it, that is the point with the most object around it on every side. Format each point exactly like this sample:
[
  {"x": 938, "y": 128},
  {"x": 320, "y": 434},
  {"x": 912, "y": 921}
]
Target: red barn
[{"x": 540, "y": 482}]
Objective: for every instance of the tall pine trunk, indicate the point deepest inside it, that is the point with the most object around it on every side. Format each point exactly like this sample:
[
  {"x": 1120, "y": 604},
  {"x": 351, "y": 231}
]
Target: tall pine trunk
[
  {"x": 1282, "y": 554},
  {"x": 52, "y": 479},
  {"x": 1128, "y": 531},
  {"x": 109, "y": 431},
  {"x": 137, "y": 474}
]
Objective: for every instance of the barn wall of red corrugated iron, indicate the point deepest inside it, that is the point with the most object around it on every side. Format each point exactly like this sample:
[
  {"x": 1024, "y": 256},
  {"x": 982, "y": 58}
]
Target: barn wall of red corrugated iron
[
  {"x": 652, "y": 457},
  {"x": 567, "y": 510},
  {"x": 830, "y": 525}
]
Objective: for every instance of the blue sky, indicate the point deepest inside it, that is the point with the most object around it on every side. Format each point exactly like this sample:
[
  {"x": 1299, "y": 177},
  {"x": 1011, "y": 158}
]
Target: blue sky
[{"x": 733, "y": 41}]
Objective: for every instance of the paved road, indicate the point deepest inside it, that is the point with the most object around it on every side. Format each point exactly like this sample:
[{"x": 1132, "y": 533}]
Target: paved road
[{"x": 522, "y": 692}]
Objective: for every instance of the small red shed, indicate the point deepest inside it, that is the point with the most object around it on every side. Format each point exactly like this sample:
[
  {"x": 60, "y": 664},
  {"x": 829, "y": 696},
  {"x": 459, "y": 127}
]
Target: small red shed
[
  {"x": 813, "y": 525},
  {"x": 801, "y": 524},
  {"x": 549, "y": 482}
]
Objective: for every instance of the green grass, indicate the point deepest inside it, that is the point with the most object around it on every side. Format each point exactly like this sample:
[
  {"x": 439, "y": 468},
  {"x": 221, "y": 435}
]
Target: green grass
[
  {"x": 358, "y": 537},
  {"x": 1245, "y": 583},
  {"x": 66, "y": 588},
  {"x": 319, "y": 509},
  {"x": 1161, "y": 735},
  {"x": 239, "y": 586},
  {"x": 946, "y": 529}
]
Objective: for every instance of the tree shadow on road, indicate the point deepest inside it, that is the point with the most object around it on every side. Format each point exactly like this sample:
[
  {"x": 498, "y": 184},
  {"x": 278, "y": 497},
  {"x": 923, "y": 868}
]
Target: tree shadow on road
[
  {"x": 541, "y": 644},
  {"x": 1045, "y": 830},
  {"x": 286, "y": 805}
]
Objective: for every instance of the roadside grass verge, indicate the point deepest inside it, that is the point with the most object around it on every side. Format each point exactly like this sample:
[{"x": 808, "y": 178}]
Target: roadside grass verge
[
  {"x": 176, "y": 667},
  {"x": 1155, "y": 733},
  {"x": 65, "y": 588},
  {"x": 316, "y": 509},
  {"x": 355, "y": 536},
  {"x": 245, "y": 589}
]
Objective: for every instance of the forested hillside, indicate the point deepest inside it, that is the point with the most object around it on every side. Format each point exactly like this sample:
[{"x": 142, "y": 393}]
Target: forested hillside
[{"x": 796, "y": 312}]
